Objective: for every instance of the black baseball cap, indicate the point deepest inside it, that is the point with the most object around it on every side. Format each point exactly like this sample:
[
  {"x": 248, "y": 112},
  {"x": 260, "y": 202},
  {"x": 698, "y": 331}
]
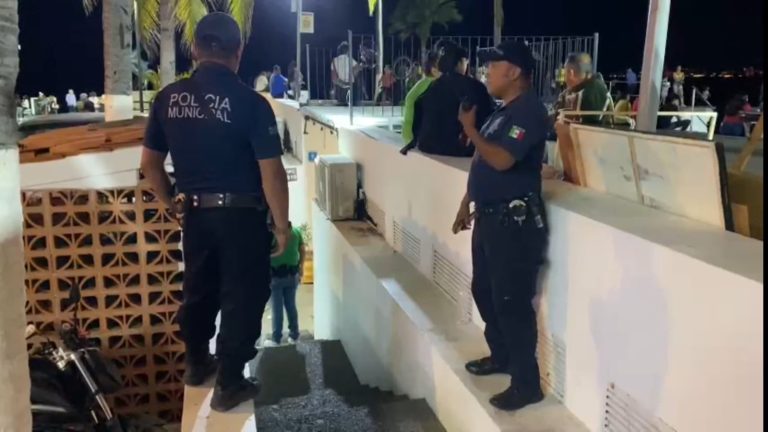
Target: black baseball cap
[
  {"x": 513, "y": 52},
  {"x": 218, "y": 31}
]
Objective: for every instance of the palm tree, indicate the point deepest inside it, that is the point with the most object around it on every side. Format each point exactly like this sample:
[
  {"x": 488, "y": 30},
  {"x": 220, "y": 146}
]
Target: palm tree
[
  {"x": 15, "y": 412},
  {"x": 417, "y": 17},
  {"x": 157, "y": 21},
  {"x": 160, "y": 19},
  {"x": 117, "y": 22}
]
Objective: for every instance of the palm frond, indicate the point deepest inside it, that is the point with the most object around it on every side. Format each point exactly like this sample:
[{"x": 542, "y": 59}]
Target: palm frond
[
  {"x": 153, "y": 79},
  {"x": 242, "y": 12},
  {"x": 89, "y": 5},
  {"x": 188, "y": 14},
  {"x": 417, "y": 17},
  {"x": 149, "y": 26}
]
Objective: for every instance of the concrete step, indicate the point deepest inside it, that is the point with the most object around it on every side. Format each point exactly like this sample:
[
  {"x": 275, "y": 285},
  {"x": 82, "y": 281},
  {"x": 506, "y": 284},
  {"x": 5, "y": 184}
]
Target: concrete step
[{"x": 406, "y": 416}]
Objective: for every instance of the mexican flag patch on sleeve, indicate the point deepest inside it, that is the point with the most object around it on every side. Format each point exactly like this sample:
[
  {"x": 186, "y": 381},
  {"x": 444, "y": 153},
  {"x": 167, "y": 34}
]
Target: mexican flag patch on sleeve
[{"x": 517, "y": 133}]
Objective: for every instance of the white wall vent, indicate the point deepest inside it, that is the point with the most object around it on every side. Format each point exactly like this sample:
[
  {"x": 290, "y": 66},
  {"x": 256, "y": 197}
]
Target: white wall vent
[
  {"x": 551, "y": 355},
  {"x": 452, "y": 281},
  {"x": 624, "y": 414},
  {"x": 406, "y": 243}
]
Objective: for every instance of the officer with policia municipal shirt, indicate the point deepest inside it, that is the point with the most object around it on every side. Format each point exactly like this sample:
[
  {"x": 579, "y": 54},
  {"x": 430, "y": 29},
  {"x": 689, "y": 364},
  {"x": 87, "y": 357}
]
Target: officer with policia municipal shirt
[
  {"x": 226, "y": 152},
  {"x": 510, "y": 233}
]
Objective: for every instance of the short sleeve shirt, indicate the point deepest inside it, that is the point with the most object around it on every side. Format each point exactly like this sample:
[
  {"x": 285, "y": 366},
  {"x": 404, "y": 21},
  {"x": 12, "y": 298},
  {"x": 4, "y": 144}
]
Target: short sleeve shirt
[
  {"x": 216, "y": 129},
  {"x": 292, "y": 255},
  {"x": 520, "y": 127}
]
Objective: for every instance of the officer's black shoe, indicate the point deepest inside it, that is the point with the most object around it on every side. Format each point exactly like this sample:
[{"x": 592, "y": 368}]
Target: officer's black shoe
[
  {"x": 513, "y": 398},
  {"x": 483, "y": 367},
  {"x": 224, "y": 400},
  {"x": 198, "y": 372}
]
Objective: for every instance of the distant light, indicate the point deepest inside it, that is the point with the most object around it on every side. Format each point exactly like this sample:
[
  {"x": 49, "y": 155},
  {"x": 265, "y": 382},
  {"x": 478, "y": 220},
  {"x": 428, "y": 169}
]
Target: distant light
[{"x": 19, "y": 47}]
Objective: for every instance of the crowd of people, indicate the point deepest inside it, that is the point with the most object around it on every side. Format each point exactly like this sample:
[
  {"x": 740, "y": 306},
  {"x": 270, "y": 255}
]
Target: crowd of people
[{"x": 49, "y": 104}]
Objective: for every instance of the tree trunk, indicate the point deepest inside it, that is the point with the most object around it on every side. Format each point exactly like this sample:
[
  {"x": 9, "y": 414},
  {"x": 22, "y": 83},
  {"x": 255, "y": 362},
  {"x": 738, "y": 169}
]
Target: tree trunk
[
  {"x": 15, "y": 413},
  {"x": 167, "y": 43},
  {"x": 118, "y": 80}
]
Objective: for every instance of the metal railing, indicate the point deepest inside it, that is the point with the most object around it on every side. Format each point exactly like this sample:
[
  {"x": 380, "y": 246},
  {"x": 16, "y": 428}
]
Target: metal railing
[{"x": 402, "y": 60}]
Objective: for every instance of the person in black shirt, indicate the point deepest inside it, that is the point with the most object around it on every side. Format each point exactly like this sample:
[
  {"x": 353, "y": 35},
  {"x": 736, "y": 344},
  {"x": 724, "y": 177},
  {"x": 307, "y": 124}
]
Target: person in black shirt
[
  {"x": 510, "y": 234},
  {"x": 666, "y": 122},
  {"x": 439, "y": 131},
  {"x": 223, "y": 139}
]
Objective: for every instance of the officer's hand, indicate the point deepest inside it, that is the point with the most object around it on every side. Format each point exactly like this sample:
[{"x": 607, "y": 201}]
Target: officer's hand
[
  {"x": 468, "y": 118},
  {"x": 463, "y": 220},
  {"x": 281, "y": 241}
]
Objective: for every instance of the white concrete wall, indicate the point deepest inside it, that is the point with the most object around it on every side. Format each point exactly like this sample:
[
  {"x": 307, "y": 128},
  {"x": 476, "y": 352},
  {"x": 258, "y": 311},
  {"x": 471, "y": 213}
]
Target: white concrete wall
[
  {"x": 667, "y": 309},
  {"x": 119, "y": 169},
  {"x": 15, "y": 413}
]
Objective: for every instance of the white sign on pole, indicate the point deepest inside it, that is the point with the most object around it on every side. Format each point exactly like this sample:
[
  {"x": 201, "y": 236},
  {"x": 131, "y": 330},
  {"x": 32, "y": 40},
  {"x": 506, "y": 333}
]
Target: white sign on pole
[
  {"x": 308, "y": 22},
  {"x": 293, "y": 6}
]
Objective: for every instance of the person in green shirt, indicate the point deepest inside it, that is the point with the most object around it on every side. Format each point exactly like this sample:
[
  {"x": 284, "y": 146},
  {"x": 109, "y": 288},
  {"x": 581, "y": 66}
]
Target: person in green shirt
[
  {"x": 409, "y": 112},
  {"x": 585, "y": 90},
  {"x": 287, "y": 272}
]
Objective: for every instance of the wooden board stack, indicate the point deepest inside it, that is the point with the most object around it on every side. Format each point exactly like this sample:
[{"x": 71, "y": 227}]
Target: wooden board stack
[
  {"x": 677, "y": 175},
  {"x": 71, "y": 141}
]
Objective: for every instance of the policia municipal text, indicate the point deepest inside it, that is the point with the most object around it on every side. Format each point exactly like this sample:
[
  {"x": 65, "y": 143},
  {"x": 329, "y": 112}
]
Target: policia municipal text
[
  {"x": 226, "y": 153},
  {"x": 510, "y": 233}
]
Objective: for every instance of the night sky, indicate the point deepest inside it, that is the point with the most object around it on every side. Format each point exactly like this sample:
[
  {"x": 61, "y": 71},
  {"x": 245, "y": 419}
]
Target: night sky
[{"x": 62, "y": 47}]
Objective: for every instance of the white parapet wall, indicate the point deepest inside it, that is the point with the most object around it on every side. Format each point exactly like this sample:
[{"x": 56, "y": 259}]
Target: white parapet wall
[{"x": 660, "y": 314}]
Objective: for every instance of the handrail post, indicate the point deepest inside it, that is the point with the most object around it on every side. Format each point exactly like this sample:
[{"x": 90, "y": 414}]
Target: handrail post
[
  {"x": 309, "y": 79},
  {"x": 594, "y": 55},
  {"x": 350, "y": 93}
]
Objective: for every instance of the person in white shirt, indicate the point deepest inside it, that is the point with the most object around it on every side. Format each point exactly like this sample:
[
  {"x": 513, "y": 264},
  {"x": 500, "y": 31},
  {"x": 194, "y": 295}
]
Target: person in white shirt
[
  {"x": 71, "y": 100},
  {"x": 340, "y": 74},
  {"x": 261, "y": 84}
]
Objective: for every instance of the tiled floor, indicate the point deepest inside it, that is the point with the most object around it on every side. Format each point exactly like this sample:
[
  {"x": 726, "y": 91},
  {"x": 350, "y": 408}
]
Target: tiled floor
[{"x": 305, "y": 305}]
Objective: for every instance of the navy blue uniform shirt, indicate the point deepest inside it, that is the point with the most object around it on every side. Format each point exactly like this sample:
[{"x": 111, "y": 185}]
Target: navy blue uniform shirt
[
  {"x": 520, "y": 127},
  {"x": 216, "y": 129}
]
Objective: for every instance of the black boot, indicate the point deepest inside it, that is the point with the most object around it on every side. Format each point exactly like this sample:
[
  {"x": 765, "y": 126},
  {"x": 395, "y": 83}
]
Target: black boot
[
  {"x": 514, "y": 398},
  {"x": 199, "y": 370},
  {"x": 226, "y": 398},
  {"x": 483, "y": 367}
]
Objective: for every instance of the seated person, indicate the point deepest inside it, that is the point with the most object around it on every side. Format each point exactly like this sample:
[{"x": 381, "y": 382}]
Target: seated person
[
  {"x": 667, "y": 122},
  {"x": 278, "y": 84},
  {"x": 733, "y": 123},
  {"x": 585, "y": 90},
  {"x": 440, "y": 132},
  {"x": 623, "y": 108}
]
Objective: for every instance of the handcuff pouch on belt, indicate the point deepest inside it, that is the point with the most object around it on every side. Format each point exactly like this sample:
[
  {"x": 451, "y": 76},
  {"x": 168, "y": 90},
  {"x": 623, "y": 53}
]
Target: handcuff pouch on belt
[
  {"x": 180, "y": 208},
  {"x": 519, "y": 210}
]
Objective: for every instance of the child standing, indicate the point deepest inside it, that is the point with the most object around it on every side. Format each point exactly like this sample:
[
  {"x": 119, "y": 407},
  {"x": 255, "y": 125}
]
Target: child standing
[{"x": 287, "y": 272}]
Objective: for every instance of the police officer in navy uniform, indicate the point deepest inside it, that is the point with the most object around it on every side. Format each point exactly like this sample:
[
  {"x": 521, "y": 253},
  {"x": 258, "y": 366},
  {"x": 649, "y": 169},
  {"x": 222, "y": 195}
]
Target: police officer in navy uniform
[
  {"x": 510, "y": 233},
  {"x": 223, "y": 140}
]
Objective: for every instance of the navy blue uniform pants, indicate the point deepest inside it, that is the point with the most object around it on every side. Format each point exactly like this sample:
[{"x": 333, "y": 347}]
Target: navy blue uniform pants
[
  {"x": 227, "y": 269},
  {"x": 506, "y": 258}
]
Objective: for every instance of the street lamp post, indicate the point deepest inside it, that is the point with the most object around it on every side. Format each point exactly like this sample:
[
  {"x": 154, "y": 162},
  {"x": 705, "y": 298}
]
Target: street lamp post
[
  {"x": 380, "y": 37},
  {"x": 140, "y": 66},
  {"x": 653, "y": 64},
  {"x": 297, "y": 87}
]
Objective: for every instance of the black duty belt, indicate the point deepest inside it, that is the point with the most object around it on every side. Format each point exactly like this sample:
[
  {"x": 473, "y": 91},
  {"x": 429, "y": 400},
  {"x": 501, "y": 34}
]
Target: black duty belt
[
  {"x": 221, "y": 200},
  {"x": 285, "y": 271},
  {"x": 518, "y": 209}
]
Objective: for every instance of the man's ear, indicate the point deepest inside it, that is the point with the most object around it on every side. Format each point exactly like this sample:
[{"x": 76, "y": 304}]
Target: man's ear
[{"x": 515, "y": 72}]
